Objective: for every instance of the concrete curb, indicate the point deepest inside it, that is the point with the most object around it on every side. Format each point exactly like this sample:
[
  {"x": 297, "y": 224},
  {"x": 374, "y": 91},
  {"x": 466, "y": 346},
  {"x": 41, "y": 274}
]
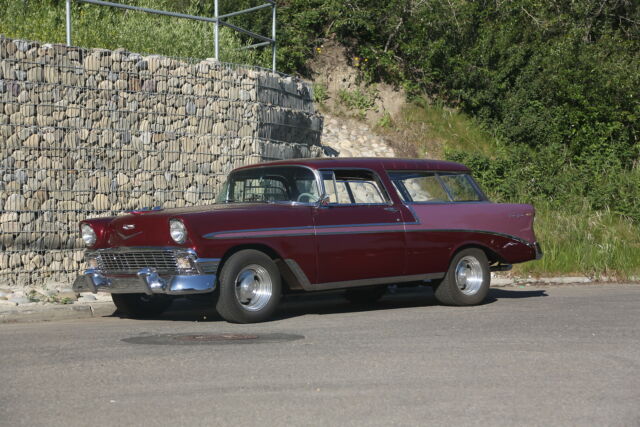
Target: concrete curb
[
  {"x": 46, "y": 313},
  {"x": 54, "y": 312}
]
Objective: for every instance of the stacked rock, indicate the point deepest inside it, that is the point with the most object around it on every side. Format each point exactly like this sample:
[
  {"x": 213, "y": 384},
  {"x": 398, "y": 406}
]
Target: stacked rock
[{"x": 86, "y": 133}]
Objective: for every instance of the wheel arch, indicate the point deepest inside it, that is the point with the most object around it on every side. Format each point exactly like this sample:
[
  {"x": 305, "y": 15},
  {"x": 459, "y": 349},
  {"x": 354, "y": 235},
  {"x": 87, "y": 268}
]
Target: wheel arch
[
  {"x": 492, "y": 255},
  {"x": 289, "y": 280}
]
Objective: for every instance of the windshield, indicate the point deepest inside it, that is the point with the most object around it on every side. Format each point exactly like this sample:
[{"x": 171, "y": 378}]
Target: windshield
[{"x": 278, "y": 184}]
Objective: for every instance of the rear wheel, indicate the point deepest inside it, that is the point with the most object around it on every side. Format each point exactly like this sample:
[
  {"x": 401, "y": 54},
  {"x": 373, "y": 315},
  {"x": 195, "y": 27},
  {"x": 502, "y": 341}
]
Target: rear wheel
[
  {"x": 365, "y": 295},
  {"x": 141, "y": 305},
  {"x": 250, "y": 287},
  {"x": 467, "y": 280}
]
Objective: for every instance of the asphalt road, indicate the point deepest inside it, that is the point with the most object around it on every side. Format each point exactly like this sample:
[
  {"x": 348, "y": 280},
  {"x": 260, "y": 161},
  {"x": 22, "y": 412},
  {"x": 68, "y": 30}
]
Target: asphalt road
[{"x": 544, "y": 356}]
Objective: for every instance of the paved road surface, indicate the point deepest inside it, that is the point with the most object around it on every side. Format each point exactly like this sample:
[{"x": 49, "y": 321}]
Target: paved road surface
[{"x": 535, "y": 356}]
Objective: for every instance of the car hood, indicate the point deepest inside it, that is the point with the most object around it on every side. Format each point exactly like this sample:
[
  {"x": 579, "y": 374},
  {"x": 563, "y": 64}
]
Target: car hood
[{"x": 151, "y": 228}]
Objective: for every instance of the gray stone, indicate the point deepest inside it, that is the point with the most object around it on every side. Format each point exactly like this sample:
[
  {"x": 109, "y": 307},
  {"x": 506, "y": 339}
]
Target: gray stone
[
  {"x": 100, "y": 202},
  {"x": 87, "y": 298},
  {"x": 7, "y": 303},
  {"x": 66, "y": 294},
  {"x": 187, "y": 89},
  {"x": 19, "y": 300}
]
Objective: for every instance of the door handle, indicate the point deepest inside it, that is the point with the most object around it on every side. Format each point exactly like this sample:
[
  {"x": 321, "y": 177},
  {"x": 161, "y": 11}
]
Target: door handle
[{"x": 391, "y": 209}]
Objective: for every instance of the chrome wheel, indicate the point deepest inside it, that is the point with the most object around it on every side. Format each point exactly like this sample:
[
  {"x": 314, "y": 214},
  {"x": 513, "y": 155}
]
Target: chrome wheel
[
  {"x": 469, "y": 275},
  {"x": 253, "y": 287}
]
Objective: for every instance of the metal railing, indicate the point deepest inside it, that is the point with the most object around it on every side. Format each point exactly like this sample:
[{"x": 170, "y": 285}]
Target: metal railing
[{"x": 216, "y": 20}]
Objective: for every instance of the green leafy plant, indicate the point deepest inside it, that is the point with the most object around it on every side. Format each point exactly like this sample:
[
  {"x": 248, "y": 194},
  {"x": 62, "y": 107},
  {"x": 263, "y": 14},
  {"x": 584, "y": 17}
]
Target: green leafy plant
[
  {"x": 358, "y": 100},
  {"x": 320, "y": 92}
]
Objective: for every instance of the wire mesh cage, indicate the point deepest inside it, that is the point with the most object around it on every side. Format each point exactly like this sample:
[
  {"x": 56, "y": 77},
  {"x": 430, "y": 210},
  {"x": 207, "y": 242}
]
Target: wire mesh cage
[{"x": 89, "y": 133}]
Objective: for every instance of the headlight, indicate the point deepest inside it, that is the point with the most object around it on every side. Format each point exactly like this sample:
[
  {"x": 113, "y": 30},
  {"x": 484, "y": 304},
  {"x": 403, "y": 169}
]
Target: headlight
[
  {"x": 88, "y": 235},
  {"x": 178, "y": 231}
]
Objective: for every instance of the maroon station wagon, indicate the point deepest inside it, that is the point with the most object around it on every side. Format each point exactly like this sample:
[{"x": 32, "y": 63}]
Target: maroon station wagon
[{"x": 311, "y": 225}]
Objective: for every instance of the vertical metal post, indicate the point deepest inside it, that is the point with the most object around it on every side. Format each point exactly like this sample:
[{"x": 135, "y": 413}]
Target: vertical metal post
[
  {"x": 68, "y": 21},
  {"x": 216, "y": 30},
  {"x": 273, "y": 37}
]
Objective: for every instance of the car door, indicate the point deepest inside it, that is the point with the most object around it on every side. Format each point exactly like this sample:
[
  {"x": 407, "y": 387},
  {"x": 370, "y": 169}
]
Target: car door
[{"x": 359, "y": 233}]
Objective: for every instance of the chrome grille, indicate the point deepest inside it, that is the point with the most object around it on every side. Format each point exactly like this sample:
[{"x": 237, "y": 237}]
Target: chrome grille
[{"x": 131, "y": 262}]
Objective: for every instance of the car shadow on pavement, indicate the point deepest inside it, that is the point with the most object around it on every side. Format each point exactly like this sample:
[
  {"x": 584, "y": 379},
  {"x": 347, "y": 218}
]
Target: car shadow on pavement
[
  {"x": 501, "y": 293},
  {"x": 297, "y": 305}
]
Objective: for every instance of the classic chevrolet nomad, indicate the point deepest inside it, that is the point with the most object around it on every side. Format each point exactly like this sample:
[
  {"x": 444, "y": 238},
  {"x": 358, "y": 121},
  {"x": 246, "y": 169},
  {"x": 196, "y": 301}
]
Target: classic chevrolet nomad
[{"x": 311, "y": 225}]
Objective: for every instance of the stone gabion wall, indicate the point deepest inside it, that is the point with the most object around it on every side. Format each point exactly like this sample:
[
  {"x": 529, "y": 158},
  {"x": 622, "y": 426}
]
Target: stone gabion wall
[{"x": 87, "y": 133}]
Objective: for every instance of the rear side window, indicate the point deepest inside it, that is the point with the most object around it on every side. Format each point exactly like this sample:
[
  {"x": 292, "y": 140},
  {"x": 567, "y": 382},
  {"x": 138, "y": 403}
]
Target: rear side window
[
  {"x": 424, "y": 187},
  {"x": 360, "y": 187},
  {"x": 460, "y": 188}
]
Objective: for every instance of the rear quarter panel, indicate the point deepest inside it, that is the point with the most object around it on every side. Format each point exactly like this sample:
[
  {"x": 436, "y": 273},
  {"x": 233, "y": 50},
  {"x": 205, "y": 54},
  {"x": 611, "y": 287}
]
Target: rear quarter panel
[{"x": 442, "y": 229}]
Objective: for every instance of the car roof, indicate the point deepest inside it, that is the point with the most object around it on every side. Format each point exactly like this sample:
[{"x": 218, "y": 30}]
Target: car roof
[{"x": 368, "y": 163}]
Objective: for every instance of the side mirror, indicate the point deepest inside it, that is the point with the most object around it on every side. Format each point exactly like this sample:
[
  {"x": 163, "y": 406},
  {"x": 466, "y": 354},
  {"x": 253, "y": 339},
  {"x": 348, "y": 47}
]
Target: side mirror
[{"x": 324, "y": 202}]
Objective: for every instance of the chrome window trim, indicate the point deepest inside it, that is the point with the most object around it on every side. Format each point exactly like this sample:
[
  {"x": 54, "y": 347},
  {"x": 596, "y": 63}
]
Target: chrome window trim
[
  {"x": 470, "y": 202},
  {"x": 380, "y": 183}
]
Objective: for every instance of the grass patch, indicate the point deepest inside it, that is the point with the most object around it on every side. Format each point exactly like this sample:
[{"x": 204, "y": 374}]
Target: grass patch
[
  {"x": 109, "y": 28},
  {"x": 586, "y": 242},
  {"x": 426, "y": 130}
]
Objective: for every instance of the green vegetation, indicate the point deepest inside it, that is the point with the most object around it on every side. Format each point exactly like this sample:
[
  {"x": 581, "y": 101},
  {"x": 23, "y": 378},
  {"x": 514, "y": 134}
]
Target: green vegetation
[
  {"x": 358, "y": 100},
  {"x": 320, "y": 93},
  {"x": 432, "y": 129},
  {"x": 584, "y": 241},
  {"x": 576, "y": 238},
  {"x": 110, "y": 28}
]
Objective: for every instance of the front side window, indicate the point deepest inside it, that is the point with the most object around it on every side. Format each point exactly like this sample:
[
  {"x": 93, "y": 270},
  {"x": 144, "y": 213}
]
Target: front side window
[
  {"x": 435, "y": 187},
  {"x": 276, "y": 184},
  {"x": 353, "y": 187}
]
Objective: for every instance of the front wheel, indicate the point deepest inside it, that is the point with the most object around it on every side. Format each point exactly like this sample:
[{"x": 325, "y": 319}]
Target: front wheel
[
  {"x": 250, "y": 287},
  {"x": 141, "y": 306},
  {"x": 467, "y": 280}
]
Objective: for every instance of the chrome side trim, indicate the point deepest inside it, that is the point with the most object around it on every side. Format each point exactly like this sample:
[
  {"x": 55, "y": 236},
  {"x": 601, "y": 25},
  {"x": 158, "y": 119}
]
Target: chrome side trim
[
  {"x": 538, "y": 249},
  {"x": 493, "y": 233},
  {"x": 309, "y": 230},
  {"x": 302, "y": 278},
  {"x": 308, "y": 286},
  {"x": 215, "y": 235},
  {"x": 375, "y": 281}
]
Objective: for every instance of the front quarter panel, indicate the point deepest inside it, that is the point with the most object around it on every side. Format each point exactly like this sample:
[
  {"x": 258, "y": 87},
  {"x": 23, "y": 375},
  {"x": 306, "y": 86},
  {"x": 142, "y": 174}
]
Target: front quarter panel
[{"x": 287, "y": 230}]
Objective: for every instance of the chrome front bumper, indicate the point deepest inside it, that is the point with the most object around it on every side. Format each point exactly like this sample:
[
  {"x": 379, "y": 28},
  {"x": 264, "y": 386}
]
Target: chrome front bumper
[
  {"x": 146, "y": 281},
  {"x": 148, "y": 270}
]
